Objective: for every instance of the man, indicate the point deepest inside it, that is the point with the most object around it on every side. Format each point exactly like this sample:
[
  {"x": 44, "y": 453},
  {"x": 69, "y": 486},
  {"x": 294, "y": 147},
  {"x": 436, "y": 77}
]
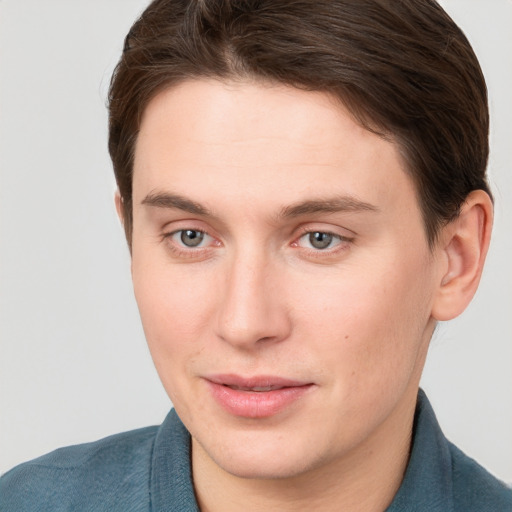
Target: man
[{"x": 303, "y": 191}]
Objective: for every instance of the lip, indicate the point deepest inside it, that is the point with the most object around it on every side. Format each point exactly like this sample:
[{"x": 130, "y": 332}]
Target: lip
[{"x": 255, "y": 397}]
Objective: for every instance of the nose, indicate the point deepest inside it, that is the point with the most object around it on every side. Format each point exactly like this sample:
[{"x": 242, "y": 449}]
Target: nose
[{"x": 252, "y": 304}]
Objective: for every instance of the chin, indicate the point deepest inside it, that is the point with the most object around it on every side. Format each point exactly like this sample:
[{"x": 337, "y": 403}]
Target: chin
[
  {"x": 263, "y": 468},
  {"x": 259, "y": 456}
]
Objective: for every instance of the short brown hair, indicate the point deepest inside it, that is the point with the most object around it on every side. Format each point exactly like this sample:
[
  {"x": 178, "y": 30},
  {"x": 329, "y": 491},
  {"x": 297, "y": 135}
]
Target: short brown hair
[{"x": 402, "y": 67}]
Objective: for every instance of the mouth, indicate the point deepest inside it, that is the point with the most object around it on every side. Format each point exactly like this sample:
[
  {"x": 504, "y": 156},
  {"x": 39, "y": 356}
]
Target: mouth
[
  {"x": 256, "y": 397},
  {"x": 256, "y": 389}
]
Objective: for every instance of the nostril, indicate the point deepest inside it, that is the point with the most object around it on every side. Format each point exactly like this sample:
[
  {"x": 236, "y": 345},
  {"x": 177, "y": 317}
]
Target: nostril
[{"x": 266, "y": 338}]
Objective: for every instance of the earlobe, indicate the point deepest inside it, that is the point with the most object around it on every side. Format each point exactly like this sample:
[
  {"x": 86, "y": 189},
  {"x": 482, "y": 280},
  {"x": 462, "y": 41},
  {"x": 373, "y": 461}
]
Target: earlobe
[
  {"x": 119, "y": 206},
  {"x": 465, "y": 242}
]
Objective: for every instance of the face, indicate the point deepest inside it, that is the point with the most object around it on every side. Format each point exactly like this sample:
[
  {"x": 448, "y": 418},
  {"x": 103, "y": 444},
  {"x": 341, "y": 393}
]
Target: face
[{"x": 282, "y": 274}]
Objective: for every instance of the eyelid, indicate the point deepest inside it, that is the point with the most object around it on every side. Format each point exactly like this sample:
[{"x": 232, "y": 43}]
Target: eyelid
[
  {"x": 342, "y": 245},
  {"x": 175, "y": 226},
  {"x": 180, "y": 251},
  {"x": 171, "y": 234},
  {"x": 335, "y": 236},
  {"x": 337, "y": 232}
]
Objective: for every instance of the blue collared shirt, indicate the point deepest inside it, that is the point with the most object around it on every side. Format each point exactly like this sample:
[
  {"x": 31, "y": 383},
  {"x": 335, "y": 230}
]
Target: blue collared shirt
[{"x": 149, "y": 470}]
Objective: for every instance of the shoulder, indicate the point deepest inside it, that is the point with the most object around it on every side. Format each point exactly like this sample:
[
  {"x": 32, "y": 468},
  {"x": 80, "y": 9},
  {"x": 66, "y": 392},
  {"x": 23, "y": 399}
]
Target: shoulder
[
  {"x": 112, "y": 473},
  {"x": 474, "y": 488},
  {"x": 441, "y": 478}
]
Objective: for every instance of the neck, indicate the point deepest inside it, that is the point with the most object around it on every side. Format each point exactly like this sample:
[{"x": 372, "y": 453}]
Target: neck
[{"x": 366, "y": 479}]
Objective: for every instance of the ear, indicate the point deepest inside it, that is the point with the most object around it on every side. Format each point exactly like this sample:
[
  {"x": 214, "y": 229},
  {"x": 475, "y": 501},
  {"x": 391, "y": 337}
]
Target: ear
[
  {"x": 119, "y": 206},
  {"x": 464, "y": 243}
]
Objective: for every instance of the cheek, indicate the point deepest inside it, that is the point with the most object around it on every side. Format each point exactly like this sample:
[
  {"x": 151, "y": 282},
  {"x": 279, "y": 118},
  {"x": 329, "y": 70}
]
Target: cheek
[
  {"x": 174, "y": 307},
  {"x": 369, "y": 323}
]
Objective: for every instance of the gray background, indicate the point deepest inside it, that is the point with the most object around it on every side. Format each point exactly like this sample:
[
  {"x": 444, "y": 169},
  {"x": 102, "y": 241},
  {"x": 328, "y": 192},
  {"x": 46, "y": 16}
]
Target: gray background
[{"x": 73, "y": 362}]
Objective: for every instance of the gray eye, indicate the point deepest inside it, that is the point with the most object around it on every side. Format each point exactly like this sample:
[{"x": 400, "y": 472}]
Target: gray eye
[
  {"x": 191, "y": 237},
  {"x": 320, "y": 240}
]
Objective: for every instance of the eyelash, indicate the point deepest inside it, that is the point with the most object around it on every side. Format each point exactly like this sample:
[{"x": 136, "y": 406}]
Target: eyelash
[
  {"x": 342, "y": 245},
  {"x": 181, "y": 251},
  {"x": 190, "y": 252}
]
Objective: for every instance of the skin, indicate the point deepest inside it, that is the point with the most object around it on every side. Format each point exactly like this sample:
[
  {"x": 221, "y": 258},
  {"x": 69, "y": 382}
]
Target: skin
[{"x": 257, "y": 298}]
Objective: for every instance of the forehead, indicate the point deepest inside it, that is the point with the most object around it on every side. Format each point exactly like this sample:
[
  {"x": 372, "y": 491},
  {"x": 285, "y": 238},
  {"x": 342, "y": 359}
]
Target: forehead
[{"x": 259, "y": 143}]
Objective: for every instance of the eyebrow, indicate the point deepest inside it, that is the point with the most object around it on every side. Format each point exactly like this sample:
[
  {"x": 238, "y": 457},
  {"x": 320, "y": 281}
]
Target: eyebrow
[
  {"x": 166, "y": 200},
  {"x": 330, "y": 205}
]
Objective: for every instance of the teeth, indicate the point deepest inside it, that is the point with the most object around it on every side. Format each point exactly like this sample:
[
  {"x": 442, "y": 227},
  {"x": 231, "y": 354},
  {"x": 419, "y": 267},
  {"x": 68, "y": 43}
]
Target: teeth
[{"x": 256, "y": 388}]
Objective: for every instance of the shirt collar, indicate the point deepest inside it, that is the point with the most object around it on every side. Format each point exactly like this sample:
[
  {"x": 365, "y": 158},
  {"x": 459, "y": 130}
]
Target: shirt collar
[
  {"x": 171, "y": 473},
  {"x": 427, "y": 484}
]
